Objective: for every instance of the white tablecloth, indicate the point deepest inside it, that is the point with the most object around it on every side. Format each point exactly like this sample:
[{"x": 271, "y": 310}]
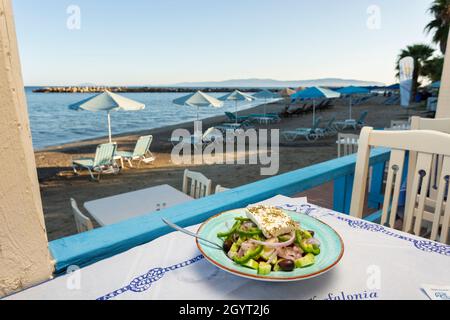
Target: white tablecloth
[{"x": 378, "y": 263}]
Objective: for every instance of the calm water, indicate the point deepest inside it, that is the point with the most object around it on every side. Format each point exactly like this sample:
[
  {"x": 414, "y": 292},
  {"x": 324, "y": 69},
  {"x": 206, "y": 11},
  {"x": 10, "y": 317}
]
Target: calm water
[{"x": 53, "y": 123}]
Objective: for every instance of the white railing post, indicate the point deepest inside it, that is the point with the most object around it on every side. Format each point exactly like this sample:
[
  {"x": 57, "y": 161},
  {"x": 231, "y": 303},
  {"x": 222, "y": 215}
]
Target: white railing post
[
  {"x": 443, "y": 107},
  {"x": 24, "y": 256}
]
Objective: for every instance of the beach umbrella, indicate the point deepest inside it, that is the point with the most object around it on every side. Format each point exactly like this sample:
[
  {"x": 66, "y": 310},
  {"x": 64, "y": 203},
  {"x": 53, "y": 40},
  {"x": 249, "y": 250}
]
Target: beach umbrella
[
  {"x": 314, "y": 93},
  {"x": 237, "y": 96},
  {"x": 265, "y": 95},
  {"x": 107, "y": 102},
  {"x": 351, "y": 91},
  {"x": 197, "y": 100}
]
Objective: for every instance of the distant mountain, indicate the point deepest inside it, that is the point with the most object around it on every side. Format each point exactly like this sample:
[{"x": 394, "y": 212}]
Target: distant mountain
[{"x": 270, "y": 83}]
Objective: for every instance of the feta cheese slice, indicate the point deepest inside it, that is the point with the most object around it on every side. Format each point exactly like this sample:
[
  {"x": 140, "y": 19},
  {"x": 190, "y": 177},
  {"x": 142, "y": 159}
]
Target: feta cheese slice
[{"x": 272, "y": 221}]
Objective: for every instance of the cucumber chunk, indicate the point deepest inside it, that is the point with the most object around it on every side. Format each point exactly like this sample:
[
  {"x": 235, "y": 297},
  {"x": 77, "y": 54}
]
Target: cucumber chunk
[
  {"x": 264, "y": 268},
  {"x": 306, "y": 261}
]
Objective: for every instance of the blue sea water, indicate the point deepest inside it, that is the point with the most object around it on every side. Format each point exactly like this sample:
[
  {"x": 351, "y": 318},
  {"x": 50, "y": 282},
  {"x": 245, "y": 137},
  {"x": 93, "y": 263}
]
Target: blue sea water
[{"x": 53, "y": 123}]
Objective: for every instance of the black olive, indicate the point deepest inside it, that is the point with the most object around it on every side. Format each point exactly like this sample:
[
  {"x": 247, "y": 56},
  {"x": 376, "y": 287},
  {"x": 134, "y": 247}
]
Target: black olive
[
  {"x": 227, "y": 245},
  {"x": 287, "y": 265},
  {"x": 311, "y": 232}
]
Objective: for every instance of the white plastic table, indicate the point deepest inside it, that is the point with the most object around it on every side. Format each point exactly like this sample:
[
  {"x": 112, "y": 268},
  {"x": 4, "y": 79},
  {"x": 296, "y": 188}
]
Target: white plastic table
[
  {"x": 124, "y": 206},
  {"x": 378, "y": 263}
]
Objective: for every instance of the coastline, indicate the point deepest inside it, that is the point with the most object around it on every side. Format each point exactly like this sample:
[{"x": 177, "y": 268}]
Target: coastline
[{"x": 210, "y": 121}]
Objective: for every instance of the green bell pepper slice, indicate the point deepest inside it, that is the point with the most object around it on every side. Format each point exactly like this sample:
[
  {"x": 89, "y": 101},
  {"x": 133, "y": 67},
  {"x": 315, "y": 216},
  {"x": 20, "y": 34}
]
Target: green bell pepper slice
[
  {"x": 250, "y": 254},
  {"x": 309, "y": 248},
  {"x": 228, "y": 233}
]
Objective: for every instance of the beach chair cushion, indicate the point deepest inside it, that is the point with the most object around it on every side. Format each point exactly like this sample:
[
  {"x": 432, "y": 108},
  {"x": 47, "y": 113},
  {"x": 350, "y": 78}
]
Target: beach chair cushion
[
  {"x": 87, "y": 163},
  {"x": 124, "y": 154}
]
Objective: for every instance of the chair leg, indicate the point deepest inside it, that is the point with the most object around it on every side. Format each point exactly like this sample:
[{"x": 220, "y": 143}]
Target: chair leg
[{"x": 92, "y": 175}]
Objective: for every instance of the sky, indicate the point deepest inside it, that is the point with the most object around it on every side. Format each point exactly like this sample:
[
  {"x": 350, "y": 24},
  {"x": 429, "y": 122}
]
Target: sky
[{"x": 159, "y": 42}]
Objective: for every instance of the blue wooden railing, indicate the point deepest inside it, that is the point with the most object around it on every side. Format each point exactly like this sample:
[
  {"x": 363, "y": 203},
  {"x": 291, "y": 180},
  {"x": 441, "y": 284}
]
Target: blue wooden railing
[{"x": 88, "y": 247}]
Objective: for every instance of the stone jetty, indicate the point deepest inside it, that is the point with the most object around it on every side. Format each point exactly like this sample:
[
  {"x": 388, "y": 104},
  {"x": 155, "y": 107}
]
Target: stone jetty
[{"x": 97, "y": 89}]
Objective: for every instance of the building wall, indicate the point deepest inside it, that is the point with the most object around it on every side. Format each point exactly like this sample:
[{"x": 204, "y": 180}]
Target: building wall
[{"x": 24, "y": 256}]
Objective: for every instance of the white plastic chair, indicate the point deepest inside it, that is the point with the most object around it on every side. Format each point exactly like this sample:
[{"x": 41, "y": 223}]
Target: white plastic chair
[
  {"x": 196, "y": 184},
  {"x": 83, "y": 223},
  {"x": 347, "y": 144},
  {"x": 425, "y": 144},
  {"x": 219, "y": 189}
]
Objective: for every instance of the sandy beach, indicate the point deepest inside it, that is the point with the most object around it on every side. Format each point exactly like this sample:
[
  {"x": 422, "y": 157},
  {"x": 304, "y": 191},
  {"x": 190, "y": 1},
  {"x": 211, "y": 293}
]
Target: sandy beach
[{"x": 58, "y": 184}]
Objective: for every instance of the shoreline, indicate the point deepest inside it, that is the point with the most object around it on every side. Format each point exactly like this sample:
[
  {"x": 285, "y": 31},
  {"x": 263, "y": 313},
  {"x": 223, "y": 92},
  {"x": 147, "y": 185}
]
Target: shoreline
[{"x": 185, "y": 125}]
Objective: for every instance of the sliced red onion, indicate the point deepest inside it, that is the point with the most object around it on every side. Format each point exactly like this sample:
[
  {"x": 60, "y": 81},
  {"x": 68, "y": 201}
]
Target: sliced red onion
[
  {"x": 276, "y": 244},
  {"x": 313, "y": 241}
]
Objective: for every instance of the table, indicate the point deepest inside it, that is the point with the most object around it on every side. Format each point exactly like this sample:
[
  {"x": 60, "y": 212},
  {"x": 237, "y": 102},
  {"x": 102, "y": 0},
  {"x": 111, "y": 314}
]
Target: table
[
  {"x": 378, "y": 263},
  {"x": 124, "y": 206}
]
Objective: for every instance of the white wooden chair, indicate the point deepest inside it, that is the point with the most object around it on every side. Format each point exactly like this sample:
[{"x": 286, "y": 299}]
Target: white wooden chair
[
  {"x": 441, "y": 125},
  {"x": 347, "y": 144},
  {"x": 196, "y": 184},
  {"x": 219, "y": 189},
  {"x": 83, "y": 223},
  {"x": 426, "y": 144}
]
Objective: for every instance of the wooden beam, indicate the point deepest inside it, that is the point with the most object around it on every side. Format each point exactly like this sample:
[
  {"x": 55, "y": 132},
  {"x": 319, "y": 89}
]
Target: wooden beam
[
  {"x": 443, "y": 107},
  {"x": 24, "y": 256}
]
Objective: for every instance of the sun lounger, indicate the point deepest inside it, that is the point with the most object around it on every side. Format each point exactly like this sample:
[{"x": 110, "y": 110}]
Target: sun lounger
[
  {"x": 224, "y": 127},
  {"x": 141, "y": 152},
  {"x": 310, "y": 134},
  {"x": 352, "y": 123},
  {"x": 209, "y": 136},
  {"x": 268, "y": 117},
  {"x": 330, "y": 129},
  {"x": 102, "y": 163},
  {"x": 232, "y": 117}
]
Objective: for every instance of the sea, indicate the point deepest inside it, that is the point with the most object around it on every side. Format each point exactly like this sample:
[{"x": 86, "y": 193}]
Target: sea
[{"x": 53, "y": 123}]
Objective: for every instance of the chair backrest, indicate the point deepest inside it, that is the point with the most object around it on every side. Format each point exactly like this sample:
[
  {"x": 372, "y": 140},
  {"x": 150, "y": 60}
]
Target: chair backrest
[
  {"x": 441, "y": 125},
  {"x": 331, "y": 122},
  {"x": 316, "y": 124},
  {"x": 230, "y": 115},
  {"x": 219, "y": 189},
  {"x": 142, "y": 146},
  {"x": 104, "y": 154},
  {"x": 362, "y": 117},
  {"x": 196, "y": 184},
  {"x": 82, "y": 222},
  {"x": 347, "y": 144},
  {"x": 425, "y": 143}
]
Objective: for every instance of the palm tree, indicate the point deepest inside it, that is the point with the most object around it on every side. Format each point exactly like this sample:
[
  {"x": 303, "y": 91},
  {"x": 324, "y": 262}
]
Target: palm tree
[
  {"x": 440, "y": 9},
  {"x": 433, "y": 68},
  {"x": 420, "y": 53}
]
